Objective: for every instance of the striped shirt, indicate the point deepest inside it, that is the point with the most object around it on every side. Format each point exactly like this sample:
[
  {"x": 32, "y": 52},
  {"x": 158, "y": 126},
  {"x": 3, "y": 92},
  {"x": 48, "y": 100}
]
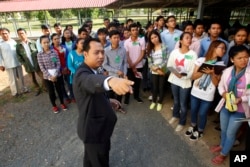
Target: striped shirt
[{"x": 47, "y": 62}]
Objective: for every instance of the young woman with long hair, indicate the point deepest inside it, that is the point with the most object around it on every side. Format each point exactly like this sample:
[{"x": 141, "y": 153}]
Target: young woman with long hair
[
  {"x": 182, "y": 60},
  {"x": 157, "y": 61}
]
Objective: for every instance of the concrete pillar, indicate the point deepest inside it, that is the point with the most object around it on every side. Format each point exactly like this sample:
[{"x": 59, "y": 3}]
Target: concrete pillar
[{"x": 200, "y": 9}]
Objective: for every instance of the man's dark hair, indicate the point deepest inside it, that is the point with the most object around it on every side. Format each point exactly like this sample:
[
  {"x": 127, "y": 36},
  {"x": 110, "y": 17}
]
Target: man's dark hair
[
  {"x": 159, "y": 17},
  {"x": 80, "y": 30},
  {"x": 215, "y": 21},
  {"x": 85, "y": 26},
  {"x": 114, "y": 32},
  {"x": 21, "y": 29},
  {"x": 88, "y": 21},
  {"x": 106, "y": 19},
  {"x": 187, "y": 24},
  {"x": 102, "y": 31},
  {"x": 5, "y": 29},
  {"x": 133, "y": 25},
  {"x": 129, "y": 20},
  {"x": 112, "y": 24},
  {"x": 45, "y": 26},
  {"x": 169, "y": 17},
  {"x": 43, "y": 37},
  {"x": 86, "y": 44},
  {"x": 57, "y": 25},
  {"x": 198, "y": 22}
]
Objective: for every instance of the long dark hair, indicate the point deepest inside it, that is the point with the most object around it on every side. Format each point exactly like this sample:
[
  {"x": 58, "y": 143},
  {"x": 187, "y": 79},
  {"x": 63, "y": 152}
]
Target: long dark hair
[
  {"x": 234, "y": 51},
  {"x": 52, "y": 36},
  {"x": 77, "y": 40},
  {"x": 64, "y": 39},
  {"x": 151, "y": 46},
  {"x": 211, "y": 49}
]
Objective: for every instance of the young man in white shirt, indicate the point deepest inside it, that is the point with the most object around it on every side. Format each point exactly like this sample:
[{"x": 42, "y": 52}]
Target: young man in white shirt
[{"x": 10, "y": 63}]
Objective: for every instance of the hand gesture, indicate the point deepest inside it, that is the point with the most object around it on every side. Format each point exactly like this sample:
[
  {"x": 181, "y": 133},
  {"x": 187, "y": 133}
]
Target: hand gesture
[{"x": 120, "y": 86}]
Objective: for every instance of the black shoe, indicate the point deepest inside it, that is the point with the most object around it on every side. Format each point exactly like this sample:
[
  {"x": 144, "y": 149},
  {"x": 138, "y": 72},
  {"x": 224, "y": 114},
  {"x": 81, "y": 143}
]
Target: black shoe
[
  {"x": 190, "y": 130},
  {"x": 139, "y": 100},
  {"x": 196, "y": 135},
  {"x": 16, "y": 95},
  {"x": 126, "y": 101}
]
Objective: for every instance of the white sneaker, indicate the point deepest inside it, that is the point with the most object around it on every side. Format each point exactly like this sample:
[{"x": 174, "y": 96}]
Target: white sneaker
[
  {"x": 172, "y": 120},
  {"x": 179, "y": 128}
]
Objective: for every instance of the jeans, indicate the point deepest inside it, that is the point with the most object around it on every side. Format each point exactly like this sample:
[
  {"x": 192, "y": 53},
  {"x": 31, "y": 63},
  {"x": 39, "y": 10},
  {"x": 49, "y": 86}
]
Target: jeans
[
  {"x": 199, "y": 108},
  {"x": 158, "y": 87},
  {"x": 229, "y": 129},
  {"x": 180, "y": 103}
]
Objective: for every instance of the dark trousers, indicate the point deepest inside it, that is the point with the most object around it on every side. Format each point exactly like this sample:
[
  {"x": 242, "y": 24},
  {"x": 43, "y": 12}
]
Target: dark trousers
[
  {"x": 158, "y": 87},
  {"x": 137, "y": 83},
  {"x": 32, "y": 75},
  {"x": 51, "y": 87},
  {"x": 113, "y": 95},
  {"x": 96, "y": 155},
  {"x": 65, "y": 82}
]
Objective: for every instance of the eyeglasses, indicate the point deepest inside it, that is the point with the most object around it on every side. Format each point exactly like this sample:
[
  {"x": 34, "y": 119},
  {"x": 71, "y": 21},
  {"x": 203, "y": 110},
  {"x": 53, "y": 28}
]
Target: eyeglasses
[
  {"x": 223, "y": 48},
  {"x": 171, "y": 20}
]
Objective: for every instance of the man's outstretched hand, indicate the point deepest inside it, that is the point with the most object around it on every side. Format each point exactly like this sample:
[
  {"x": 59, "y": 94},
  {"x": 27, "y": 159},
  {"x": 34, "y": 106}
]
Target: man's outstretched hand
[{"x": 120, "y": 86}]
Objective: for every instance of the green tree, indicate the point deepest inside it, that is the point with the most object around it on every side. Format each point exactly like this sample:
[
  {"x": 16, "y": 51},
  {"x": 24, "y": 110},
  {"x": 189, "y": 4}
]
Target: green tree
[
  {"x": 84, "y": 13},
  {"x": 67, "y": 13},
  {"x": 43, "y": 16},
  {"x": 30, "y": 15}
]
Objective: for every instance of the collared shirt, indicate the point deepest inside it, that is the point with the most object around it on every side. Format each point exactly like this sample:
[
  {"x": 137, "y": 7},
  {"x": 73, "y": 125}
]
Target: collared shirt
[
  {"x": 8, "y": 57},
  {"x": 27, "y": 50},
  {"x": 49, "y": 61},
  {"x": 115, "y": 60},
  {"x": 170, "y": 39},
  {"x": 204, "y": 45},
  {"x": 107, "y": 44},
  {"x": 134, "y": 49}
]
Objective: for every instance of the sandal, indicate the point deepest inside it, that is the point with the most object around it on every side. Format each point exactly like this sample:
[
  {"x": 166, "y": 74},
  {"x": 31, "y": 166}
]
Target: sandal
[
  {"x": 122, "y": 111},
  {"x": 218, "y": 160},
  {"x": 216, "y": 148}
]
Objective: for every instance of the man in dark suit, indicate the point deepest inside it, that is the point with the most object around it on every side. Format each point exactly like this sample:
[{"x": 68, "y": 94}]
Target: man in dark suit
[{"x": 96, "y": 119}]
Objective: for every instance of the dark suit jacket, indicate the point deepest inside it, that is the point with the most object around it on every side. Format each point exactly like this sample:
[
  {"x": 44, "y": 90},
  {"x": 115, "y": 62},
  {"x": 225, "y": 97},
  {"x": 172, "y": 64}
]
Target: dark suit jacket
[
  {"x": 96, "y": 119},
  {"x": 24, "y": 60}
]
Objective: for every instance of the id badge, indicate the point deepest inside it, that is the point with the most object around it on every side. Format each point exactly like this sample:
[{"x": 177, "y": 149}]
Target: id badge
[{"x": 117, "y": 59}]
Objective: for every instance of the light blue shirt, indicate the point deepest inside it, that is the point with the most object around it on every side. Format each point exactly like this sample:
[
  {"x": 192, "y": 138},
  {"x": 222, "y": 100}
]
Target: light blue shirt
[
  {"x": 205, "y": 43},
  {"x": 115, "y": 60},
  {"x": 170, "y": 39}
]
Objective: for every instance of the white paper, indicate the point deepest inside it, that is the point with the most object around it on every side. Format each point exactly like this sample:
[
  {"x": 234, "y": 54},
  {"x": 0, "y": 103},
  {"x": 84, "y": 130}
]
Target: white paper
[{"x": 52, "y": 72}]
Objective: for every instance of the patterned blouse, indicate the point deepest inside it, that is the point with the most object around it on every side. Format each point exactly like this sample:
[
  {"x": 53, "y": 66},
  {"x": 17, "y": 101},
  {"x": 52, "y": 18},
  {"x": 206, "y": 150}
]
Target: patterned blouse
[{"x": 49, "y": 62}]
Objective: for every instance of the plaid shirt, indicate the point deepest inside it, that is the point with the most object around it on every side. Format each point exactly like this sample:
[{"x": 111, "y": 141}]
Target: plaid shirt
[{"x": 48, "y": 61}]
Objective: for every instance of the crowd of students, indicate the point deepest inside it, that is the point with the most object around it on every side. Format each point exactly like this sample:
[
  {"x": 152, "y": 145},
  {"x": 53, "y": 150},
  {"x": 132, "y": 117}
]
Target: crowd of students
[{"x": 132, "y": 51}]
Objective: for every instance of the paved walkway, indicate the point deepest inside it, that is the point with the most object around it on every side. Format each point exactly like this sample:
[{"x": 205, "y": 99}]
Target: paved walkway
[{"x": 34, "y": 136}]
